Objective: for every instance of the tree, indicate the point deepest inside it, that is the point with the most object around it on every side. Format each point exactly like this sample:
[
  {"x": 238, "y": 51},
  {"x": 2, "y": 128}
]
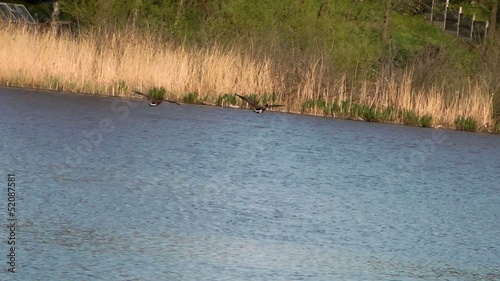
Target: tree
[
  {"x": 387, "y": 21},
  {"x": 494, "y": 16},
  {"x": 55, "y": 16}
]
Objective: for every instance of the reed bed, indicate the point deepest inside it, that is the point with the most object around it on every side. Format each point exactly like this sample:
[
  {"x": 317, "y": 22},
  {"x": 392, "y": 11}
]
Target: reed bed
[{"x": 115, "y": 63}]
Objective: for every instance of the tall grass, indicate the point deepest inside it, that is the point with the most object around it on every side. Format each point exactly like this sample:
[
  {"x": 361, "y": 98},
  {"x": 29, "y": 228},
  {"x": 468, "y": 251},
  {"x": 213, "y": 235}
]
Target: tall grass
[{"x": 115, "y": 63}]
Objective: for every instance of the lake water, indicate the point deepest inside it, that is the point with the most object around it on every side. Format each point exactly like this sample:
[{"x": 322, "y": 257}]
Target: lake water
[{"x": 112, "y": 189}]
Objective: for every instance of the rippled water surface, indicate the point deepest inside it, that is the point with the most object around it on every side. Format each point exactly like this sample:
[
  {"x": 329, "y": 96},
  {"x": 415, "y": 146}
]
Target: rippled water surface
[{"x": 113, "y": 189}]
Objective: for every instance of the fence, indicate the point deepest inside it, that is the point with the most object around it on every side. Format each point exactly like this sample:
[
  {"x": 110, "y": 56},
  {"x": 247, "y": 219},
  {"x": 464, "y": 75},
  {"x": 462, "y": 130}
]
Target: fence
[
  {"x": 16, "y": 13},
  {"x": 453, "y": 20}
]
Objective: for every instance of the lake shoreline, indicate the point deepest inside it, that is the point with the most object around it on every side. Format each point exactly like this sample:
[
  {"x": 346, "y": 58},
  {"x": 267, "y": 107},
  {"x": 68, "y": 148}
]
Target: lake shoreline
[
  {"x": 113, "y": 64},
  {"x": 311, "y": 114}
]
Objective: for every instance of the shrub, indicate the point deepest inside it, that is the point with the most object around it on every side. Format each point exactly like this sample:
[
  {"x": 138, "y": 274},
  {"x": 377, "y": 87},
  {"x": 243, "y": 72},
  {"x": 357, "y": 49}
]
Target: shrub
[
  {"x": 157, "y": 93},
  {"x": 409, "y": 118},
  {"x": 425, "y": 121},
  {"x": 496, "y": 127},
  {"x": 226, "y": 99},
  {"x": 468, "y": 124},
  {"x": 191, "y": 98},
  {"x": 310, "y": 105}
]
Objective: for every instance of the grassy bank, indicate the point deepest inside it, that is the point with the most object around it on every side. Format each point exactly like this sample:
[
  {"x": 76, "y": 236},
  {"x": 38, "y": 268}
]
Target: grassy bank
[{"x": 115, "y": 63}]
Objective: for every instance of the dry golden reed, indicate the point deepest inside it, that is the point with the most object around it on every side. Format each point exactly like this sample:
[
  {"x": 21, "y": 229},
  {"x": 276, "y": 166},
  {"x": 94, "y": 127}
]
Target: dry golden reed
[{"x": 114, "y": 64}]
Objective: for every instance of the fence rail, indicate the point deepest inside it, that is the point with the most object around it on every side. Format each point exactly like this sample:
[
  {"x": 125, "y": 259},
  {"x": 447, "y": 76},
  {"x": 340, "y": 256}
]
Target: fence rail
[
  {"x": 15, "y": 13},
  {"x": 453, "y": 20}
]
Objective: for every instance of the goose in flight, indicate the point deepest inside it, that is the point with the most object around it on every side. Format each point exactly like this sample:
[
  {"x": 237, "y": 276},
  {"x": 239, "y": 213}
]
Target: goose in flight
[
  {"x": 256, "y": 107},
  {"x": 153, "y": 101}
]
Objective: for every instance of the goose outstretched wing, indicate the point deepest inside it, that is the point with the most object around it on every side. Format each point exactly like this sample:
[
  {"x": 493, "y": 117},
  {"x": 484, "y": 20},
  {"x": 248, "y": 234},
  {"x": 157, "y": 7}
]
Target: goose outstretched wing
[
  {"x": 251, "y": 102},
  {"x": 142, "y": 94}
]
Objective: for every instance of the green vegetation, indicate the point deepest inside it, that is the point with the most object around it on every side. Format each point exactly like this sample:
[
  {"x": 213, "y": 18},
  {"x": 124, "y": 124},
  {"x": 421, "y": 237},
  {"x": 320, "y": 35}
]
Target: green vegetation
[
  {"x": 347, "y": 32},
  {"x": 496, "y": 127},
  {"x": 54, "y": 83},
  {"x": 191, "y": 98},
  {"x": 226, "y": 100},
  {"x": 121, "y": 86},
  {"x": 466, "y": 124},
  {"x": 409, "y": 118},
  {"x": 356, "y": 111},
  {"x": 157, "y": 93},
  {"x": 425, "y": 121}
]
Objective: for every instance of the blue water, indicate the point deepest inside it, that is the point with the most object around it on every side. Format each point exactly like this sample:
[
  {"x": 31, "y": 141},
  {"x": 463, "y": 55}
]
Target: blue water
[{"x": 112, "y": 189}]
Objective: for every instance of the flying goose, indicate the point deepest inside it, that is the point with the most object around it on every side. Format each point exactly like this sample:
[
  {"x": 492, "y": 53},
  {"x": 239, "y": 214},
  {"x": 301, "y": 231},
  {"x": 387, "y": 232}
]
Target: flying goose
[
  {"x": 256, "y": 107},
  {"x": 153, "y": 101}
]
